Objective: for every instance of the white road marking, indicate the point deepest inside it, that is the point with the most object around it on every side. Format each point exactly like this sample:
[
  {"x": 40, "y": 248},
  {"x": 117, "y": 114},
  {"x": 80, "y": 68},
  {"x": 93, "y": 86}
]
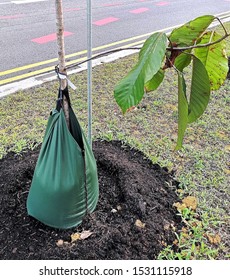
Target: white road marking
[{"x": 27, "y": 1}]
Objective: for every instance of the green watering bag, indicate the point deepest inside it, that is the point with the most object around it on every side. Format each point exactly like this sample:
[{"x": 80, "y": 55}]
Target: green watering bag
[{"x": 65, "y": 182}]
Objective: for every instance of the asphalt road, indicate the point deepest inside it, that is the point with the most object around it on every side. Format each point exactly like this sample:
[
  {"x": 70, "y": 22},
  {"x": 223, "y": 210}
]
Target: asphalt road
[{"x": 27, "y": 28}]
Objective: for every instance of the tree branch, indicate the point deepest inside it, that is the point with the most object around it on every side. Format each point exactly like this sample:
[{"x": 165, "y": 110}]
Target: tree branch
[
  {"x": 171, "y": 48},
  {"x": 198, "y": 46},
  {"x": 221, "y": 23}
]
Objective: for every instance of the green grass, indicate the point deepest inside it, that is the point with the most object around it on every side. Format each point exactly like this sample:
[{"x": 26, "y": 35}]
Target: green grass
[{"x": 202, "y": 166}]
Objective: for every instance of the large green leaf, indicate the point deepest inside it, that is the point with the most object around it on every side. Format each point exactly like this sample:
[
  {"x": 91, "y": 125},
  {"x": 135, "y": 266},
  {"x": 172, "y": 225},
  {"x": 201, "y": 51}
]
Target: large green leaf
[
  {"x": 156, "y": 80},
  {"x": 200, "y": 91},
  {"x": 214, "y": 58},
  {"x": 130, "y": 90},
  {"x": 187, "y": 34},
  {"x": 182, "y": 110},
  {"x": 182, "y": 61},
  {"x": 152, "y": 54}
]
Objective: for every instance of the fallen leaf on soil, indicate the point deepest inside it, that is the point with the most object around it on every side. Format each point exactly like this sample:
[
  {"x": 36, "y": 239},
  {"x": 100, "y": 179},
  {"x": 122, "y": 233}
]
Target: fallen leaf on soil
[
  {"x": 187, "y": 202},
  {"x": 227, "y": 148},
  {"x": 227, "y": 171},
  {"x": 60, "y": 243},
  {"x": 85, "y": 234},
  {"x": 213, "y": 239},
  {"x": 139, "y": 224},
  {"x": 131, "y": 109},
  {"x": 80, "y": 235},
  {"x": 175, "y": 242},
  {"x": 179, "y": 206},
  {"x": 190, "y": 202},
  {"x": 184, "y": 229},
  {"x": 75, "y": 236}
]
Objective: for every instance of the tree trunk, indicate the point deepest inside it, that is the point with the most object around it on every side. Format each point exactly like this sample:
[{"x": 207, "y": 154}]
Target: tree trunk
[{"x": 61, "y": 53}]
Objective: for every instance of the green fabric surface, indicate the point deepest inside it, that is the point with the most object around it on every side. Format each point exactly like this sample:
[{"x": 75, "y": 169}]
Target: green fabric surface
[{"x": 65, "y": 182}]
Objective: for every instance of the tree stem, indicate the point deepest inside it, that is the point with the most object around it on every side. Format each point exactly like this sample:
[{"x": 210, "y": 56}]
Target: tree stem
[{"x": 61, "y": 53}]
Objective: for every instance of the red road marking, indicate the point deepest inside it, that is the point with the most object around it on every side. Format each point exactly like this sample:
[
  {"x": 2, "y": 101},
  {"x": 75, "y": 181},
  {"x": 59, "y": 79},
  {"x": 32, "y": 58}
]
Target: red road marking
[
  {"x": 162, "y": 3},
  {"x": 11, "y": 17},
  {"x": 49, "y": 38},
  {"x": 105, "y": 21},
  {"x": 139, "y": 11}
]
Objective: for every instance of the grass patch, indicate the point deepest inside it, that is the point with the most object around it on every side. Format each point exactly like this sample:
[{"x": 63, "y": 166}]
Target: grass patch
[{"x": 202, "y": 167}]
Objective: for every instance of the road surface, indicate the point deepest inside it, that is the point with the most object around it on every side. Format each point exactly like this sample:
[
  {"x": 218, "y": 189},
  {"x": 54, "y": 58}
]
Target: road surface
[{"x": 27, "y": 28}]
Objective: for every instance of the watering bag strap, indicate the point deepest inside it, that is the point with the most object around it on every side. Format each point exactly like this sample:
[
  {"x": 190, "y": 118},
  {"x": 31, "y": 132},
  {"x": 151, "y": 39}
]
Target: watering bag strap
[
  {"x": 61, "y": 93},
  {"x": 63, "y": 76}
]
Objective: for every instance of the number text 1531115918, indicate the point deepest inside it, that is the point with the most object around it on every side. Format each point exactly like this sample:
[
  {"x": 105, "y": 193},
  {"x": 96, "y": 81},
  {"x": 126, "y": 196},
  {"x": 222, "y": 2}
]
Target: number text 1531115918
[{"x": 167, "y": 270}]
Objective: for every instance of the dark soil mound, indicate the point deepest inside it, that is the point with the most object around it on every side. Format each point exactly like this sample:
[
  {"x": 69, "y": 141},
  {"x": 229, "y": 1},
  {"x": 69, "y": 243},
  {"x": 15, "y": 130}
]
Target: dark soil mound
[{"x": 131, "y": 189}]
